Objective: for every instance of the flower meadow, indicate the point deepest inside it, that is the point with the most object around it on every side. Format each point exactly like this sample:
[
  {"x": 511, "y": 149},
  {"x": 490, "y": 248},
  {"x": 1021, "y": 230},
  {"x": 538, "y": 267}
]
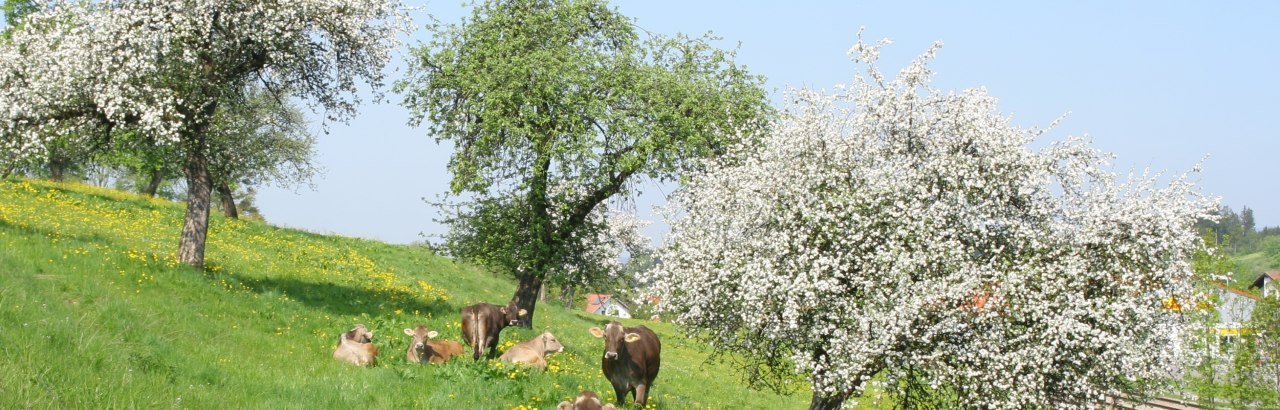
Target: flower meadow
[{"x": 97, "y": 312}]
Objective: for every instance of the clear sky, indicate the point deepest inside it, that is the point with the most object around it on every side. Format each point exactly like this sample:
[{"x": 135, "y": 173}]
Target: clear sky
[{"x": 1159, "y": 84}]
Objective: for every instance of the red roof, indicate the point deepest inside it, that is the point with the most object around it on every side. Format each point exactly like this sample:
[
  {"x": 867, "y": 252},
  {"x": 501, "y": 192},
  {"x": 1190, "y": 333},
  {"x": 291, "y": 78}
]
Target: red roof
[
  {"x": 1238, "y": 291},
  {"x": 1273, "y": 274}
]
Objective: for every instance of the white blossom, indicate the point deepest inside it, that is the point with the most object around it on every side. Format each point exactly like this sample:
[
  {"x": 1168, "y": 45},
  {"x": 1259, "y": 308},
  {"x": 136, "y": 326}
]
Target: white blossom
[
  {"x": 892, "y": 228},
  {"x": 154, "y": 65}
]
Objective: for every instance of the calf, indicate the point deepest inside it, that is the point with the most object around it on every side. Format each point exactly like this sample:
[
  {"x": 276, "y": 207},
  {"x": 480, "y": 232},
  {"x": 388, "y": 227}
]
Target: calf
[
  {"x": 482, "y": 322},
  {"x": 356, "y": 347},
  {"x": 588, "y": 400},
  {"x": 533, "y": 352},
  {"x": 631, "y": 359},
  {"x": 435, "y": 351}
]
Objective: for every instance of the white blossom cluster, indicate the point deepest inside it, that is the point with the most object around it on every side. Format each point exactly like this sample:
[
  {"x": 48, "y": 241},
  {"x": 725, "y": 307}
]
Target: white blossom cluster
[
  {"x": 156, "y": 65},
  {"x": 891, "y": 228}
]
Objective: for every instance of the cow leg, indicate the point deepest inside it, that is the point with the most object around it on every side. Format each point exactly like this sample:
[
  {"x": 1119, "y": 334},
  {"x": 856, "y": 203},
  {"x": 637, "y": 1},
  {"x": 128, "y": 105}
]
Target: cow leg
[
  {"x": 620, "y": 391},
  {"x": 642, "y": 394}
]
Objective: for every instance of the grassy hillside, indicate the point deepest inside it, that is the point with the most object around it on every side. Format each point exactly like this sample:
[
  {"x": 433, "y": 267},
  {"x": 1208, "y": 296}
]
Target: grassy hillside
[{"x": 95, "y": 312}]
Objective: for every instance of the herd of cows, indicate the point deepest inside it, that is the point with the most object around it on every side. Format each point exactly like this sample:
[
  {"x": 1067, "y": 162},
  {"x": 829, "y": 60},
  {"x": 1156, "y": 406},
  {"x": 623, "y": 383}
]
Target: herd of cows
[{"x": 630, "y": 360}]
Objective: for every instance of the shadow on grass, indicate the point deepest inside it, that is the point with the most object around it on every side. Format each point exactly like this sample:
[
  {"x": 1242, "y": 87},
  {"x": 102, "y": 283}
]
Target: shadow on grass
[{"x": 338, "y": 299}]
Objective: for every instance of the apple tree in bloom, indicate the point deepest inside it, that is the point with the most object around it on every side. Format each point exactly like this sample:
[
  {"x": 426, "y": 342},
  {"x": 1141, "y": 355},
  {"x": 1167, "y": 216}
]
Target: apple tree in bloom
[
  {"x": 890, "y": 228},
  {"x": 162, "y": 69}
]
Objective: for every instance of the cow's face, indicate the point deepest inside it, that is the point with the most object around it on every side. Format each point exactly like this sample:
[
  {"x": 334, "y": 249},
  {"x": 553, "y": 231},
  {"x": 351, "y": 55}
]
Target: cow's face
[
  {"x": 613, "y": 338},
  {"x": 550, "y": 344},
  {"x": 512, "y": 313},
  {"x": 420, "y": 337},
  {"x": 360, "y": 334}
]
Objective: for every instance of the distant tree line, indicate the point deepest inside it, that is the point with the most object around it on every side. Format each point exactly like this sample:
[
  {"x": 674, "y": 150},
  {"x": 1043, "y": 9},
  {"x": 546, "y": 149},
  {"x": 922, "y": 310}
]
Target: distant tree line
[{"x": 1239, "y": 231}]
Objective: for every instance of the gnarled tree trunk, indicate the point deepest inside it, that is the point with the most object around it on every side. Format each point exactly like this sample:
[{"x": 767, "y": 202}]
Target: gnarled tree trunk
[
  {"x": 195, "y": 227},
  {"x": 228, "y": 201},
  {"x": 57, "y": 169},
  {"x": 821, "y": 402},
  {"x": 526, "y": 297},
  {"x": 154, "y": 184}
]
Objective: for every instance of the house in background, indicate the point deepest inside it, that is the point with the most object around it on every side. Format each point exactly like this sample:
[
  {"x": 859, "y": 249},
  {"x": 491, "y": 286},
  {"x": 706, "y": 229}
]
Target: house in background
[
  {"x": 1264, "y": 283},
  {"x": 602, "y": 304},
  {"x": 1235, "y": 307}
]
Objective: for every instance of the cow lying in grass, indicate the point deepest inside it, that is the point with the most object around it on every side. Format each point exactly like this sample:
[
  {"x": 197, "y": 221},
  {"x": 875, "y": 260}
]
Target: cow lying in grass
[
  {"x": 533, "y": 352},
  {"x": 435, "y": 351},
  {"x": 588, "y": 400},
  {"x": 631, "y": 359},
  {"x": 356, "y": 347}
]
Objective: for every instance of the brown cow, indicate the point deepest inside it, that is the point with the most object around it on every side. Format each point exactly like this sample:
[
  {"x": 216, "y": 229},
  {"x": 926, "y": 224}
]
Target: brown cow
[
  {"x": 631, "y": 359},
  {"x": 482, "y": 322},
  {"x": 356, "y": 347},
  {"x": 533, "y": 352},
  {"x": 435, "y": 351},
  {"x": 588, "y": 400}
]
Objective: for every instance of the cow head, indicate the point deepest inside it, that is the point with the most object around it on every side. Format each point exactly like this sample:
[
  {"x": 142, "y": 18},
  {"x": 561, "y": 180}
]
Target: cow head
[
  {"x": 420, "y": 336},
  {"x": 588, "y": 400},
  {"x": 613, "y": 338},
  {"x": 512, "y": 313},
  {"x": 358, "y": 334},
  {"x": 550, "y": 344}
]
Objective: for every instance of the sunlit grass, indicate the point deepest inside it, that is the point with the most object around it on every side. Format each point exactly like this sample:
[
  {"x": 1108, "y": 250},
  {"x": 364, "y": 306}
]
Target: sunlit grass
[{"x": 96, "y": 313}]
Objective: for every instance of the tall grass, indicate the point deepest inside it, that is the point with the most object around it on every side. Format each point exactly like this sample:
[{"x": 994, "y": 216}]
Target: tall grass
[{"x": 96, "y": 313}]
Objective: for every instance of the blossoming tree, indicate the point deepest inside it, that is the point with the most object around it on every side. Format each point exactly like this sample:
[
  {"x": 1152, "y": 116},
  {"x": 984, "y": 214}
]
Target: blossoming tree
[
  {"x": 892, "y": 229},
  {"x": 163, "y": 68}
]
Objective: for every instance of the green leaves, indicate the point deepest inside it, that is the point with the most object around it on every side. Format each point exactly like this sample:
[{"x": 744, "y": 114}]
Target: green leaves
[{"x": 560, "y": 103}]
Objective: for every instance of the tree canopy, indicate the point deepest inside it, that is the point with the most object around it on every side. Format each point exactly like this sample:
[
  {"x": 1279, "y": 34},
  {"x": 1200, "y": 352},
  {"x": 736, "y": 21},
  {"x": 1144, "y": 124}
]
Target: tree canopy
[
  {"x": 163, "y": 68},
  {"x": 893, "y": 229},
  {"x": 555, "y": 106}
]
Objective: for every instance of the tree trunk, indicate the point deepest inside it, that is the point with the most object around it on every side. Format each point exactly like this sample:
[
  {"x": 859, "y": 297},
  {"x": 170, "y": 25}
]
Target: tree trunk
[
  {"x": 821, "y": 402},
  {"x": 196, "y": 226},
  {"x": 526, "y": 298},
  {"x": 56, "y": 170},
  {"x": 154, "y": 184},
  {"x": 228, "y": 202},
  {"x": 567, "y": 295}
]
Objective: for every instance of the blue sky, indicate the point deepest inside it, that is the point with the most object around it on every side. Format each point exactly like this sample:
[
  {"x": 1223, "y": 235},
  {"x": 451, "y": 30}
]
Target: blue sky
[{"x": 1159, "y": 84}]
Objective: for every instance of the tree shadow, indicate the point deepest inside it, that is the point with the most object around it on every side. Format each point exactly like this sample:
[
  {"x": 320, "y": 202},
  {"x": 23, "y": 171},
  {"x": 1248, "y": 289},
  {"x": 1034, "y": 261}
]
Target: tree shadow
[{"x": 336, "y": 299}]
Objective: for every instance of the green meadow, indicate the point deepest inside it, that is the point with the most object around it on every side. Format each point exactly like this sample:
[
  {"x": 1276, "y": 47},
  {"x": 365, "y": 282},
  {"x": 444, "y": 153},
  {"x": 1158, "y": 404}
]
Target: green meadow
[{"x": 96, "y": 313}]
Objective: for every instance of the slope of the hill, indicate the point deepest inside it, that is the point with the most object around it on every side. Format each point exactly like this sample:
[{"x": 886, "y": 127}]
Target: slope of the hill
[{"x": 95, "y": 312}]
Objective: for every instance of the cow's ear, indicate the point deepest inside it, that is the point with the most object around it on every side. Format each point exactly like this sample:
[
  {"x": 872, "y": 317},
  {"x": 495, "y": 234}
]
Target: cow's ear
[
  {"x": 564, "y": 405},
  {"x": 597, "y": 332},
  {"x": 503, "y": 310},
  {"x": 631, "y": 337},
  {"x": 432, "y": 334},
  {"x": 522, "y": 312},
  {"x": 408, "y": 331}
]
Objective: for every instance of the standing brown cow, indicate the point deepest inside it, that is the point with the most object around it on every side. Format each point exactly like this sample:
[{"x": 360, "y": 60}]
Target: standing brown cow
[
  {"x": 482, "y": 322},
  {"x": 435, "y": 351},
  {"x": 631, "y": 359},
  {"x": 356, "y": 347},
  {"x": 588, "y": 400}
]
